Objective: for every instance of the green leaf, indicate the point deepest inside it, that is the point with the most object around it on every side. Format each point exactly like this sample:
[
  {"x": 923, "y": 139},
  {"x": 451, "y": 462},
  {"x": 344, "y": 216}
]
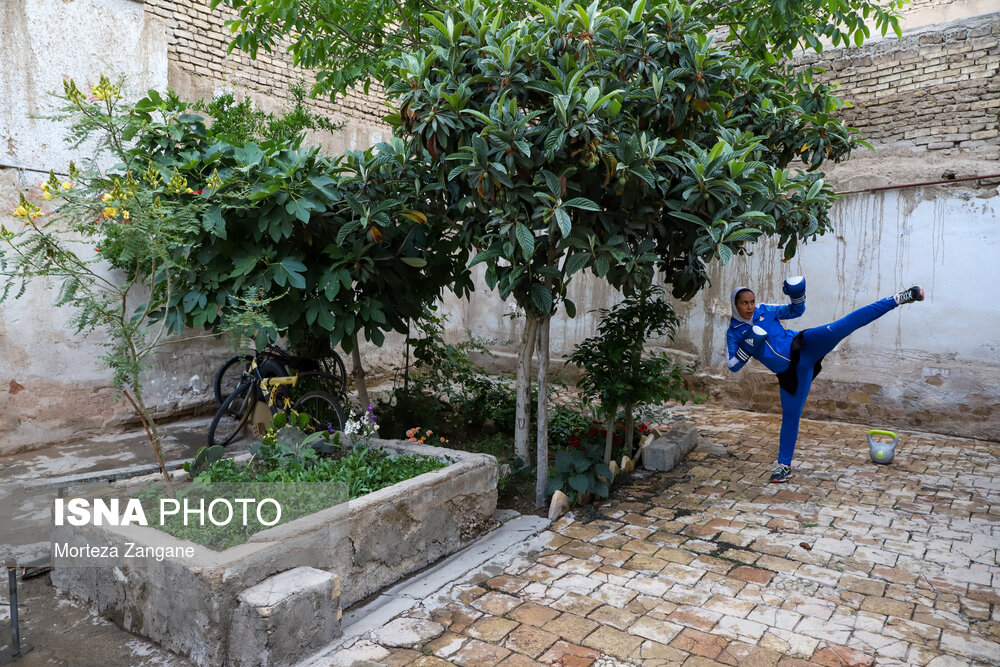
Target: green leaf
[
  {"x": 244, "y": 266},
  {"x": 525, "y": 239},
  {"x": 563, "y": 221},
  {"x": 579, "y": 483},
  {"x": 212, "y": 221},
  {"x": 249, "y": 155},
  {"x": 541, "y": 297},
  {"x": 570, "y": 308},
  {"x": 294, "y": 270},
  {"x": 564, "y": 462},
  {"x": 346, "y": 229},
  {"x": 577, "y": 262},
  {"x": 582, "y": 203},
  {"x": 485, "y": 256},
  {"x": 415, "y": 262}
]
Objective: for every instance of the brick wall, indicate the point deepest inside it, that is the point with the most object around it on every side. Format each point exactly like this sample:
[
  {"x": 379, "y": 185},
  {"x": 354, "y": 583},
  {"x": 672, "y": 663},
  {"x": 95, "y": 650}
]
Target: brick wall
[
  {"x": 197, "y": 40},
  {"x": 934, "y": 89}
]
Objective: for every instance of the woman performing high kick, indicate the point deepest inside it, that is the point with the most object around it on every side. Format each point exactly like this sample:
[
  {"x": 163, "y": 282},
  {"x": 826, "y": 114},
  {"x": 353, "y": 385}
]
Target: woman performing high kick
[{"x": 795, "y": 357}]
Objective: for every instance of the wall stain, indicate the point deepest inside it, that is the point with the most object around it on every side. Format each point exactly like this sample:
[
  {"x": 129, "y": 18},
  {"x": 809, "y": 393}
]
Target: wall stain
[{"x": 18, "y": 57}]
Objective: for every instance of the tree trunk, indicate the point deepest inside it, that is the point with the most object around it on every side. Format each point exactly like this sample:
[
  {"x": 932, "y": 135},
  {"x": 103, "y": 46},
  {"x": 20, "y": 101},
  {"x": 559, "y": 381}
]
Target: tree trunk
[
  {"x": 358, "y": 373},
  {"x": 542, "y": 437},
  {"x": 629, "y": 429},
  {"x": 523, "y": 413},
  {"x": 609, "y": 438},
  {"x": 152, "y": 432}
]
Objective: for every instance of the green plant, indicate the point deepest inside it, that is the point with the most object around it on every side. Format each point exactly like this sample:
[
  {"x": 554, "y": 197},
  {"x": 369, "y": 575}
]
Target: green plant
[
  {"x": 205, "y": 457},
  {"x": 240, "y": 123},
  {"x": 566, "y": 422},
  {"x": 597, "y": 433},
  {"x": 618, "y": 372},
  {"x": 331, "y": 250},
  {"x": 616, "y": 137},
  {"x": 352, "y": 43},
  {"x": 578, "y": 471},
  {"x": 137, "y": 218},
  {"x": 604, "y": 139}
]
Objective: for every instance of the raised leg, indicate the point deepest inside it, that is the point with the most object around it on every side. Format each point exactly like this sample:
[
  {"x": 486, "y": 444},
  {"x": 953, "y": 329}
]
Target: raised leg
[{"x": 820, "y": 340}]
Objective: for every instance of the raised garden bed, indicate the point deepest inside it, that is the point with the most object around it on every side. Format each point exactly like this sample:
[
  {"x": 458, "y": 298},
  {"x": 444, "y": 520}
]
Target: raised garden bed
[{"x": 280, "y": 594}]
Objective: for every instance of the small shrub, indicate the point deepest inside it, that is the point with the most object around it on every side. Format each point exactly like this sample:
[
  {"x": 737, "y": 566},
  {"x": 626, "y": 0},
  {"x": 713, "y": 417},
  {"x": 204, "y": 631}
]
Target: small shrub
[{"x": 577, "y": 471}]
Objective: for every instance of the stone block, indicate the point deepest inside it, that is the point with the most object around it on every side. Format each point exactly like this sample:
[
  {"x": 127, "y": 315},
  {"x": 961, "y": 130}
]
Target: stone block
[
  {"x": 285, "y": 618},
  {"x": 665, "y": 452}
]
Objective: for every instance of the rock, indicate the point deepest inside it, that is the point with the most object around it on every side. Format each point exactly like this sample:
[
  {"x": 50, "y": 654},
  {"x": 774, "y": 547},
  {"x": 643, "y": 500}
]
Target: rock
[
  {"x": 285, "y": 618},
  {"x": 503, "y": 471},
  {"x": 503, "y": 516},
  {"x": 642, "y": 446},
  {"x": 666, "y": 451},
  {"x": 408, "y": 632},
  {"x": 628, "y": 465},
  {"x": 712, "y": 449},
  {"x": 363, "y": 653},
  {"x": 614, "y": 470},
  {"x": 558, "y": 506}
]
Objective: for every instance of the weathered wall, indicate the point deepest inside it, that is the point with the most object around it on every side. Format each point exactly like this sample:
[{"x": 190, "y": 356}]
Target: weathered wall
[
  {"x": 933, "y": 365},
  {"x": 930, "y": 104},
  {"x": 936, "y": 89},
  {"x": 918, "y": 13},
  {"x": 197, "y": 40},
  {"x": 52, "y": 384}
]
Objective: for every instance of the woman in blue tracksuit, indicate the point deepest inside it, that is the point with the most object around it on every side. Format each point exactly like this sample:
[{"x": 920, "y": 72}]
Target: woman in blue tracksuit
[{"x": 795, "y": 357}]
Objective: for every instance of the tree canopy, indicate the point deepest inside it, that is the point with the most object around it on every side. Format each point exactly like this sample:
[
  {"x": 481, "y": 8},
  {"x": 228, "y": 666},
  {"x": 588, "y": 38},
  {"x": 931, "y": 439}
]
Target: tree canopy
[{"x": 348, "y": 42}]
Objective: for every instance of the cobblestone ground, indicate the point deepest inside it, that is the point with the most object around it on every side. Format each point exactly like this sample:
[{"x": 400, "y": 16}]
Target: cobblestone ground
[{"x": 849, "y": 563}]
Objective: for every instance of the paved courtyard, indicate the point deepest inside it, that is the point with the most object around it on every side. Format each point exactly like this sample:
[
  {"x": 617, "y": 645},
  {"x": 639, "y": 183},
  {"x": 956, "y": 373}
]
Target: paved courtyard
[{"x": 849, "y": 563}]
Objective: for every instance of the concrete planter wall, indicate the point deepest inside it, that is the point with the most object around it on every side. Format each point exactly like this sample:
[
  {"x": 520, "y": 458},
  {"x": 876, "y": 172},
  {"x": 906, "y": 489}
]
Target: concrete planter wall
[{"x": 279, "y": 596}]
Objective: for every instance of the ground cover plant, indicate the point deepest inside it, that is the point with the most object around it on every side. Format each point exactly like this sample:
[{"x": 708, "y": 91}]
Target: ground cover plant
[{"x": 304, "y": 472}]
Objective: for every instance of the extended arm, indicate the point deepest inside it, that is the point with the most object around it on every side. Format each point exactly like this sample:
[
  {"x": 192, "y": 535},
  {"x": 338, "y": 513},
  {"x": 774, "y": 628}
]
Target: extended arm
[{"x": 795, "y": 288}]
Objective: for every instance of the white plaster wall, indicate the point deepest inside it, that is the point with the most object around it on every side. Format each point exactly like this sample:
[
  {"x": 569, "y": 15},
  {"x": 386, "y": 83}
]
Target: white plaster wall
[
  {"x": 53, "y": 384},
  {"x": 934, "y": 365},
  {"x": 43, "y": 42}
]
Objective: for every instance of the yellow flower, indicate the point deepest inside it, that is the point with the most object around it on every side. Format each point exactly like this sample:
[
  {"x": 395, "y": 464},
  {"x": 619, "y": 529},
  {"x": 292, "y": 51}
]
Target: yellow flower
[
  {"x": 106, "y": 197},
  {"x": 110, "y": 212},
  {"x": 67, "y": 185},
  {"x": 20, "y": 211},
  {"x": 125, "y": 215}
]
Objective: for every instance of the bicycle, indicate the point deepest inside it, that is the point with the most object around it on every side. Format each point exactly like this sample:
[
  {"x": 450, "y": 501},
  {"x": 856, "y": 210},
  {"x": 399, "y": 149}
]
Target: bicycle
[
  {"x": 256, "y": 389},
  {"x": 329, "y": 375}
]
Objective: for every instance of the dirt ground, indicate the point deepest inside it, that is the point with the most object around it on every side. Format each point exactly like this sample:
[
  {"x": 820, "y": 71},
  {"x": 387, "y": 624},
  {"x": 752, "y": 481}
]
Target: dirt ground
[{"x": 55, "y": 630}]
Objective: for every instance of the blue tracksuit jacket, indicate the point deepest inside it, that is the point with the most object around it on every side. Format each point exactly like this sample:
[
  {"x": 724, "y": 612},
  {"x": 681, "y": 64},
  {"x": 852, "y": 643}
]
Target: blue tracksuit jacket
[{"x": 776, "y": 351}]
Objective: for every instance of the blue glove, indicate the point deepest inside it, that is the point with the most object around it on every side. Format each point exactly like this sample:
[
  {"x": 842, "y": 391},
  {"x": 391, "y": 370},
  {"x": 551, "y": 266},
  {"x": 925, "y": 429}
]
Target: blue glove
[
  {"x": 795, "y": 288},
  {"x": 750, "y": 343}
]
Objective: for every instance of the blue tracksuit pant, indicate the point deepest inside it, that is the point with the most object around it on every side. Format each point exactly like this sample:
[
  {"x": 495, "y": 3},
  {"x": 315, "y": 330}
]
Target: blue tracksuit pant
[{"x": 816, "y": 344}]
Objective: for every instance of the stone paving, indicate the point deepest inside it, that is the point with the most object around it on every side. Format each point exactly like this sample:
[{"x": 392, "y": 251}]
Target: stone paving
[{"x": 849, "y": 563}]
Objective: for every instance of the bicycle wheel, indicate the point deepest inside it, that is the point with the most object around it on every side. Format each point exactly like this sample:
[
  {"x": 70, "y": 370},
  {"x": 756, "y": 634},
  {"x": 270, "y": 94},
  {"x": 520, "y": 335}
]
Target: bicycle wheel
[
  {"x": 228, "y": 377},
  {"x": 232, "y": 416},
  {"x": 335, "y": 367},
  {"x": 325, "y": 414},
  {"x": 319, "y": 381}
]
